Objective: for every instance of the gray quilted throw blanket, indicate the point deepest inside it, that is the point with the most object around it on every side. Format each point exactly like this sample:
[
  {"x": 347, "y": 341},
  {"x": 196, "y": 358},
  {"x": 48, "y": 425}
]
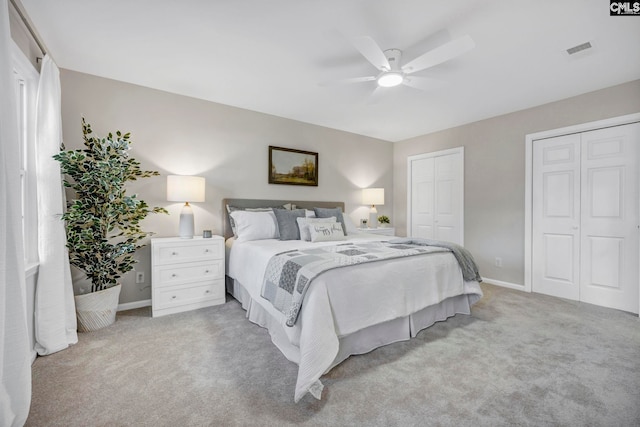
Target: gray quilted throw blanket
[
  {"x": 290, "y": 273},
  {"x": 463, "y": 256}
]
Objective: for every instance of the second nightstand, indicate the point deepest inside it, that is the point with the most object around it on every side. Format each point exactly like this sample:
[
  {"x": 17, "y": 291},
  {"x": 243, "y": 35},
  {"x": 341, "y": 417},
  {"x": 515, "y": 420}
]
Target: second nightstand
[{"x": 187, "y": 274}]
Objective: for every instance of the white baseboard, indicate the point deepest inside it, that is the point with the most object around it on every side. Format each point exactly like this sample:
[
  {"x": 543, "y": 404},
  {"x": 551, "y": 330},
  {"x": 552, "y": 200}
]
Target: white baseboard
[
  {"x": 134, "y": 304},
  {"x": 503, "y": 284}
]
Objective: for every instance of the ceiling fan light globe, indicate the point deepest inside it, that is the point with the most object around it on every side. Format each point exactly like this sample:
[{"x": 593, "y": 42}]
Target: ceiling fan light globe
[{"x": 390, "y": 79}]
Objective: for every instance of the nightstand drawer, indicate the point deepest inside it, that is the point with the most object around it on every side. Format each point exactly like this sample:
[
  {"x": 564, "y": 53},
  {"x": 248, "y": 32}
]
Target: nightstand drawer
[
  {"x": 172, "y": 274},
  {"x": 383, "y": 231},
  {"x": 187, "y": 294},
  {"x": 187, "y": 252}
]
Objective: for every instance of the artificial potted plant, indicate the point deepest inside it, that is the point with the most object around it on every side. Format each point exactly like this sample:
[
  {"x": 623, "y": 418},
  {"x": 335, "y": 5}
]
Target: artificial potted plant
[
  {"x": 102, "y": 222},
  {"x": 384, "y": 220}
]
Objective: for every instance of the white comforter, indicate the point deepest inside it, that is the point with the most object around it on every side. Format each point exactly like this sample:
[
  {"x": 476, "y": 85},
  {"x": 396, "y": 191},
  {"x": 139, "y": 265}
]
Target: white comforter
[{"x": 346, "y": 300}]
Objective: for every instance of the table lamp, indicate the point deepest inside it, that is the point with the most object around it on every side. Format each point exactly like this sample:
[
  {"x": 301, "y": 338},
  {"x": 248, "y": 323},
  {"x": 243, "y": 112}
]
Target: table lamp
[
  {"x": 373, "y": 197},
  {"x": 181, "y": 188}
]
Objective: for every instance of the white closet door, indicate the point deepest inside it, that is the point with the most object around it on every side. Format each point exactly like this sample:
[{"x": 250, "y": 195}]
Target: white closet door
[
  {"x": 436, "y": 195},
  {"x": 422, "y": 198},
  {"x": 609, "y": 237},
  {"x": 448, "y": 209},
  {"x": 586, "y": 217},
  {"x": 556, "y": 217}
]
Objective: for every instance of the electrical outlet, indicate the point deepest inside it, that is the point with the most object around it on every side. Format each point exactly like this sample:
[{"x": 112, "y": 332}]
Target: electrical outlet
[
  {"x": 498, "y": 262},
  {"x": 139, "y": 276}
]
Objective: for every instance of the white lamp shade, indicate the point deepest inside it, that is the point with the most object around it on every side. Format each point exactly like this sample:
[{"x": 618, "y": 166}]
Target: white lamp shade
[
  {"x": 181, "y": 188},
  {"x": 373, "y": 196}
]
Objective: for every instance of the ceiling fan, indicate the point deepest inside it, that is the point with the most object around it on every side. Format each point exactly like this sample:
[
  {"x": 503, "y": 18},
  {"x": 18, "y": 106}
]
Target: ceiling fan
[{"x": 388, "y": 62}]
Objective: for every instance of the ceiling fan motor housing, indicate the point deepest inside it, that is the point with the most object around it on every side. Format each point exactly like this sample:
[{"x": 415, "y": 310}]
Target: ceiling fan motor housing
[
  {"x": 393, "y": 56},
  {"x": 393, "y": 76}
]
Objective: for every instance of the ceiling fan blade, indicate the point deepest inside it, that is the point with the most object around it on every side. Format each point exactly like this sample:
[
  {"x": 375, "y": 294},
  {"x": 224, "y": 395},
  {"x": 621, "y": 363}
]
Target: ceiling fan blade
[
  {"x": 349, "y": 81},
  {"x": 357, "y": 80},
  {"x": 370, "y": 50},
  {"x": 440, "y": 54}
]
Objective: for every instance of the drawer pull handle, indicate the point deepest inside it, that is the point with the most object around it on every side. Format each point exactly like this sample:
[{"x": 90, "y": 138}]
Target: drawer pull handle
[
  {"x": 174, "y": 253},
  {"x": 173, "y": 297},
  {"x": 206, "y": 251},
  {"x": 207, "y": 291},
  {"x": 206, "y": 271},
  {"x": 174, "y": 275}
]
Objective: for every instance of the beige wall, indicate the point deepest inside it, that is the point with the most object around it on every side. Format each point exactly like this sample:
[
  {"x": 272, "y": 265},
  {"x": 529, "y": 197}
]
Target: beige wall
[
  {"x": 495, "y": 171},
  {"x": 175, "y": 134}
]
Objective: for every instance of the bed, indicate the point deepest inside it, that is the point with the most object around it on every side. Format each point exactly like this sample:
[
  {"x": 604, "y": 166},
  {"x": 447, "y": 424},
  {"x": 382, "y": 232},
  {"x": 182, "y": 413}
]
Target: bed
[{"x": 349, "y": 310}]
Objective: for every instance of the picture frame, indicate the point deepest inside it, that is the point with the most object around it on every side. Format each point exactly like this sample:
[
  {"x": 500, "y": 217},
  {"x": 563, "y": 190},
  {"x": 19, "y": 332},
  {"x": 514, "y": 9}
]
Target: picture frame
[{"x": 292, "y": 167}]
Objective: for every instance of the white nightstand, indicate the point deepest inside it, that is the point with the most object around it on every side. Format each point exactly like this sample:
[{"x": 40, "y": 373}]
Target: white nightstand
[
  {"x": 386, "y": 231},
  {"x": 187, "y": 274}
]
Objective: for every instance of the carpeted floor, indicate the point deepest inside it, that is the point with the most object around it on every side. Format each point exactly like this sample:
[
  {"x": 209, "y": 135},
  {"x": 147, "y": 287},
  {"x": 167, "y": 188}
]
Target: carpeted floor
[{"x": 519, "y": 359}]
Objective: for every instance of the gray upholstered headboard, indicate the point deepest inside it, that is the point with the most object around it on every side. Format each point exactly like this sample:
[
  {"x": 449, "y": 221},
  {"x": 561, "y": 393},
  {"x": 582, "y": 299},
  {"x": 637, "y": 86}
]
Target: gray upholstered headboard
[{"x": 261, "y": 203}]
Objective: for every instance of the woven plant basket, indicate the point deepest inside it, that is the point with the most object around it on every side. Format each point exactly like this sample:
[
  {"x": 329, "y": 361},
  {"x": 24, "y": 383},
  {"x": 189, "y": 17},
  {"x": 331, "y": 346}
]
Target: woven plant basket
[{"x": 97, "y": 310}]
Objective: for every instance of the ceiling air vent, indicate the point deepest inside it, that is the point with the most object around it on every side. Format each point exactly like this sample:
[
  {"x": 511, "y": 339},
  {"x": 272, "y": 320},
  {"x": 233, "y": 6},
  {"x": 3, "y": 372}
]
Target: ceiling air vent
[{"x": 579, "y": 48}]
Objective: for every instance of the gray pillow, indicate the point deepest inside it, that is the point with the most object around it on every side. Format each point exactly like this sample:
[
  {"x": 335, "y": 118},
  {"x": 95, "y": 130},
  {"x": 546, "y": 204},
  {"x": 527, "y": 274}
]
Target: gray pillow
[
  {"x": 328, "y": 213},
  {"x": 287, "y": 224}
]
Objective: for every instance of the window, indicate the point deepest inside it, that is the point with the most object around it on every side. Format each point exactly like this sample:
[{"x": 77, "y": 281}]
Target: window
[{"x": 26, "y": 86}]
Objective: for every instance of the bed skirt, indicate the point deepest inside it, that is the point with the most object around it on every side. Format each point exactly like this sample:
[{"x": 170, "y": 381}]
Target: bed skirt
[{"x": 360, "y": 342}]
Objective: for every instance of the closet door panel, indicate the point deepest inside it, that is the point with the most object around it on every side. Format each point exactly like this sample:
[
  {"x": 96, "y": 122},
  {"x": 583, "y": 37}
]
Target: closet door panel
[
  {"x": 448, "y": 188},
  {"x": 423, "y": 198},
  {"x": 556, "y": 217},
  {"x": 609, "y": 232}
]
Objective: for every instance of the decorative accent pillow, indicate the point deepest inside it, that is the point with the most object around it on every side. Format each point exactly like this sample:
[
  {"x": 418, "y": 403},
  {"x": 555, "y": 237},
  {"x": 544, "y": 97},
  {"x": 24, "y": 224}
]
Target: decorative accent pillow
[
  {"x": 232, "y": 222},
  {"x": 329, "y": 212},
  {"x": 255, "y": 225},
  {"x": 287, "y": 225},
  {"x": 303, "y": 225},
  {"x": 326, "y": 232}
]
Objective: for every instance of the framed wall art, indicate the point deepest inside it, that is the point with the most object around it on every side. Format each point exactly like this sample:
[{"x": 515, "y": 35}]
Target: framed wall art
[{"x": 292, "y": 167}]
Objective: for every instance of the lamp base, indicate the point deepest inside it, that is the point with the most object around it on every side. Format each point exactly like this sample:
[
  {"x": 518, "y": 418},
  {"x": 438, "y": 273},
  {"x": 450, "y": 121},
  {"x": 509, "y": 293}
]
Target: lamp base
[
  {"x": 373, "y": 217},
  {"x": 186, "y": 222}
]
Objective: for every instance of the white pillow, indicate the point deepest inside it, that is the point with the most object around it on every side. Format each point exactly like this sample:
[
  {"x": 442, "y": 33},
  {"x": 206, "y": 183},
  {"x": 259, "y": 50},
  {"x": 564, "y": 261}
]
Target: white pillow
[
  {"x": 351, "y": 227},
  {"x": 303, "y": 225},
  {"x": 234, "y": 208},
  {"x": 255, "y": 225},
  {"x": 309, "y": 214},
  {"x": 326, "y": 232}
]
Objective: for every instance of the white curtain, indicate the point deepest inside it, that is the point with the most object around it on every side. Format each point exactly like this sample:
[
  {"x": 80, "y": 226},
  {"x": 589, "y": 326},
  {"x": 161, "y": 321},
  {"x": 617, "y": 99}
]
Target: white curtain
[
  {"x": 55, "y": 314},
  {"x": 15, "y": 359}
]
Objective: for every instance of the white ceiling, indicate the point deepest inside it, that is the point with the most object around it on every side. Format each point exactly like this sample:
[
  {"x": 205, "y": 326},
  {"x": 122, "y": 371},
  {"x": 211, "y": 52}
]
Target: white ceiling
[{"x": 273, "y": 56}]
